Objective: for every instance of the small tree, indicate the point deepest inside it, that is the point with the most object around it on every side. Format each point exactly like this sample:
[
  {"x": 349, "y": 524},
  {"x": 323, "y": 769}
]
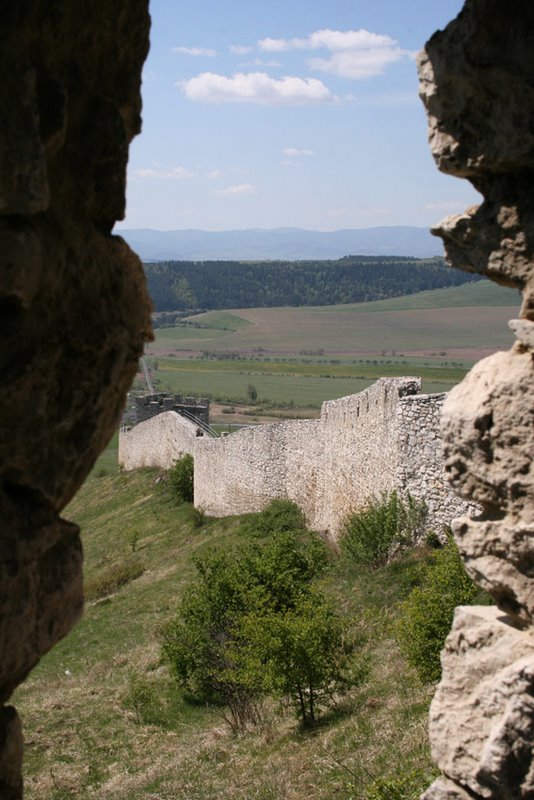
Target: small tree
[
  {"x": 252, "y": 393},
  {"x": 298, "y": 653},
  {"x": 373, "y": 533},
  {"x": 181, "y": 478},
  {"x": 253, "y": 624}
]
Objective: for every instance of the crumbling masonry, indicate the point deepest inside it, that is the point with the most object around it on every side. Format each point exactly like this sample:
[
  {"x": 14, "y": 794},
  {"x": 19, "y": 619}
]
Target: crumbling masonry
[{"x": 383, "y": 439}]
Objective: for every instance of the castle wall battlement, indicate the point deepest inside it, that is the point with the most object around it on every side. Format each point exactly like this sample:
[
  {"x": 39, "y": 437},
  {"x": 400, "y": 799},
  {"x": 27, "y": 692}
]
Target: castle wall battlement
[{"x": 384, "y": 438}]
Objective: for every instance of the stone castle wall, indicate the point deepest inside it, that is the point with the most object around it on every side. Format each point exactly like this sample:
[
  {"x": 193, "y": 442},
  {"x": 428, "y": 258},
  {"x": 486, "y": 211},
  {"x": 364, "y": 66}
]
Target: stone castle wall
[
  {"x": 157, "y": 442},
  {"x": 384, "y": 438}
]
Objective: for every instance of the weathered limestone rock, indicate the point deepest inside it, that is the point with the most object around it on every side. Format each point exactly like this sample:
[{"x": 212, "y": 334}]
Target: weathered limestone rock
[
  {"x": 482, "y": 717},
  {"x": 74, "y": 310},
  {"x": 477, "y": 82}
]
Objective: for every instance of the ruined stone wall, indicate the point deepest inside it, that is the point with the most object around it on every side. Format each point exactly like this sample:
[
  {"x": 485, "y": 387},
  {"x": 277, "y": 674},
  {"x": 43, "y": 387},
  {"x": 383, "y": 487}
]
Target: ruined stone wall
[
  {"x": 158, "y": 442},
  {"x": 384, "y": 438},
  {"x": 477, "y": 83},
  {"x": 420, "y": 467},
  {"x": 242, "y": 472},
  {"x": 74, "y": 313},
  {"x": 360, "y": 449}
]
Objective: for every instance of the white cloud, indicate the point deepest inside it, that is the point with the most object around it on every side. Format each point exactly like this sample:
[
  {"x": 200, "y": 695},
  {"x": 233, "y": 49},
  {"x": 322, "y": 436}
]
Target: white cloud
[
  {"x": 240, "y": 50},
  {"x": 357, "y": 64},
  {"x": 279, "y": 45},
  {"x": 216, "y": 173},
  {"x": 355, "y": 54},
  {"x": 195, "y": 51},
  {"x": 175, "y": 172},
  {"x": 255, "y": 87},
  {"x": 293, "y": 152},
  {"x": 241, "y": 188},
  {"x": 261, "y": 62}
]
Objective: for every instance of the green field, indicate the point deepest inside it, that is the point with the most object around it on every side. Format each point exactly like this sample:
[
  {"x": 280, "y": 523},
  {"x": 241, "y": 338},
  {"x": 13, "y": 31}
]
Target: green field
[
  {"x": 103, "y": 719},
  {"x": 464, "y": 318},
  {"x": 436, "y": 335},
  {"x": 304, "y": 384}
]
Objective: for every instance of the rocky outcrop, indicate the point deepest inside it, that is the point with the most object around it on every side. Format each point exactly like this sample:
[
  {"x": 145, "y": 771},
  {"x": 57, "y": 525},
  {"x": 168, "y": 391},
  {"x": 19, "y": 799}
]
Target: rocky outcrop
[
  {"x": 478, "y": 88},
  {"x": 74, "y": 310}
]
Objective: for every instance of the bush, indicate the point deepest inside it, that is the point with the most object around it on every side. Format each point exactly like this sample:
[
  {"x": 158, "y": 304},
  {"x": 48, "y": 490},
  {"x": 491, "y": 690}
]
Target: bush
[
  {"x": 112, "y": 579},
  {"x": 253, "y": 625},
  {"x": 181, "y": 478},
  {"x": 371, "y": 535},
  {"x": 427, "y": 614},
  {"x": 279, "y": 515}
]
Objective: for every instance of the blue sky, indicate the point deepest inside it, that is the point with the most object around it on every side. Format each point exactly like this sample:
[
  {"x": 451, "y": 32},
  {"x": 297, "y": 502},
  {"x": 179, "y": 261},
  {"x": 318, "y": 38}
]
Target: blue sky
[{"x": 292, "y": 113}]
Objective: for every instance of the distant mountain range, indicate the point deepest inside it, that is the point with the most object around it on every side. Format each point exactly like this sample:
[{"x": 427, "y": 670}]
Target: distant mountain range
[{"x": 254, "y": 244}]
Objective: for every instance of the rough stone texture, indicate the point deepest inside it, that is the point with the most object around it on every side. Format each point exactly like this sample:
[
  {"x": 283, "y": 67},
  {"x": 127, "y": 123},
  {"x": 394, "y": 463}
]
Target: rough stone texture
[
  {"x": 477, "y": 82},
  {"x": 74, "y": 310},
  {"x": 489, "y": 426},
  {"x": 386, "y": 437},
  {"x": 157, "y": 442},
  {"x": 487, "y": 701}
]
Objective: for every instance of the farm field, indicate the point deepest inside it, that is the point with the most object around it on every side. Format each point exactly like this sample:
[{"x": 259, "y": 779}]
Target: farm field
[{"x": 307, "y": 355}]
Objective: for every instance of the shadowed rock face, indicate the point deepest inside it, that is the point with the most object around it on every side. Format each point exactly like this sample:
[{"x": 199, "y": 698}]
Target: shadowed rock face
[
  {"x": 477, "y": 83},
  {"x": 74, "y": 313}
]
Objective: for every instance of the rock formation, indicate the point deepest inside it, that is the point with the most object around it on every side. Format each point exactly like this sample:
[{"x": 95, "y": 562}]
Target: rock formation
[
  {"x": 477, "y": 83},
  {"x": 74, "y": 310}
]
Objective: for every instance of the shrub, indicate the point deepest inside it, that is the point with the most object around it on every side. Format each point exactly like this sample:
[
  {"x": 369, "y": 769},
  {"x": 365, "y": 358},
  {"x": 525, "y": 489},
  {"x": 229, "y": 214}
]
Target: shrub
[
  {"x": 427, "y": 614},
  {"x": 112, "y": 579},
  {"x": 254, "y": 625},
  {"x": 279, "y": 515},
  {"x": 181, "y": 476},
  {"x": 371, "y": 535},
  {"x": 297, "y": 653}
]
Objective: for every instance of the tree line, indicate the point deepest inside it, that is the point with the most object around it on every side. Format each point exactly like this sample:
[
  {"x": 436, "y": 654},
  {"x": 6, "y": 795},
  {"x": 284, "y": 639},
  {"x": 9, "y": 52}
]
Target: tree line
[{"x": 205, "y": 285}]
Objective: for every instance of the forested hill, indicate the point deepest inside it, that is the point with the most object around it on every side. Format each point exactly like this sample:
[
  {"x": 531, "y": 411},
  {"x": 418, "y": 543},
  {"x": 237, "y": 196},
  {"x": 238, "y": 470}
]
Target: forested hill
[{"x": 178, "y": 285}]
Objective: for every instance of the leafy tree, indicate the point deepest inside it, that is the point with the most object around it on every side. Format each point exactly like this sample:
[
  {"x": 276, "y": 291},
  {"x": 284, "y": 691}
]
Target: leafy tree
[
  {"x": 252, "y": 393},
  {"x": 181, "y": 478},
  {"x": 254, "y": 624},
  {"x": 297, "y": 653},
  {"x": 183, "y": 294}
]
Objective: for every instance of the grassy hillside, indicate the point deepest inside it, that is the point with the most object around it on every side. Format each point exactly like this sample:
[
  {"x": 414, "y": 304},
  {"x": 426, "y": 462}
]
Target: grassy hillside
[{"x": 103, "y": 720}]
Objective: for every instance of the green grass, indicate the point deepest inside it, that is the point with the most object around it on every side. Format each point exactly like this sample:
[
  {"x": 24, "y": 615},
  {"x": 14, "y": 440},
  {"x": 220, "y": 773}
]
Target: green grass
[
  {"x": 478, "y": 294},
  {"x": 410, "y": 325},
  {"x": 437, "y": 335},
  {"x": 223, "y": 320},
  {"x": 304, "y": 384},
  {"x": 103, "y": 719},
  {"x": 107, "y": 463}
]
